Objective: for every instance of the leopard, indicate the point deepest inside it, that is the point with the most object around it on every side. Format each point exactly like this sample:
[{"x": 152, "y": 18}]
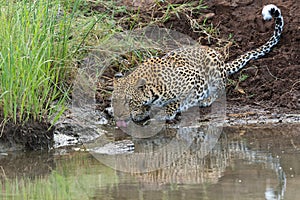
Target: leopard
[{"x": 183, "y": 78}]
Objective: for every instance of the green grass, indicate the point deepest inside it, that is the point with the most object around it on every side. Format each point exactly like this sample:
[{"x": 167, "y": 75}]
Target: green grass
[
  {"x": 236, "y": 83},
  {"x": 34, "y": 52},
  {"x": 41, "y": 44}
]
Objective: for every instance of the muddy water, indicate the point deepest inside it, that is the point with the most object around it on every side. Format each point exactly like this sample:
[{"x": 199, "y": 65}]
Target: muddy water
[{"x": 243, "y": 163}]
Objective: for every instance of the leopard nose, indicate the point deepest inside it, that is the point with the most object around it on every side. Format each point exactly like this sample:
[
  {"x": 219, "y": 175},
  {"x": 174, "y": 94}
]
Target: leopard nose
[{"x": 121, "y": 123}]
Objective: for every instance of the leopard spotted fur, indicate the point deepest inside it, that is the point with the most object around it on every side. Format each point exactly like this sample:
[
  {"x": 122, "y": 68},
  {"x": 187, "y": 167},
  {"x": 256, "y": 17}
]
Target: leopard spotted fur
[{"x": 183, "y": 78}]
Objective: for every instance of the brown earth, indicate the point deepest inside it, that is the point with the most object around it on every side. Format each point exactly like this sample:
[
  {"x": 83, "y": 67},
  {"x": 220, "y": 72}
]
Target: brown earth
[
  {"x": 32, "y": 135},
  {"x": 269, "y": 86},
  {"x": 273, "y": 82}
]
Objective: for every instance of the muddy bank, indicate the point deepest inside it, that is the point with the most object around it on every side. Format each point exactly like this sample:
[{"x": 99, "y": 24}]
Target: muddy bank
[
  {"x": 270, "y": 93},
  {"x": 32, "y": 135}
]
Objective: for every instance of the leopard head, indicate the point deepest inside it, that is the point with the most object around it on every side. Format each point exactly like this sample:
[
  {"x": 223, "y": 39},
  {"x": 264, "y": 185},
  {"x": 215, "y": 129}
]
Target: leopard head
[{"x": 129, "y": 100}]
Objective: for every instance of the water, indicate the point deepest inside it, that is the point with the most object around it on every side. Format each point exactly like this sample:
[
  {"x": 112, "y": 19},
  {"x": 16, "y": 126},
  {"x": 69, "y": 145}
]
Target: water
[{"x": 245, "y": 163}]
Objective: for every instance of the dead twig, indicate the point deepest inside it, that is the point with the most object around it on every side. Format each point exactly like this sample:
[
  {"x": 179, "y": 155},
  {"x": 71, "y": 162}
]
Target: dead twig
[{"x": 3, "y": 172}]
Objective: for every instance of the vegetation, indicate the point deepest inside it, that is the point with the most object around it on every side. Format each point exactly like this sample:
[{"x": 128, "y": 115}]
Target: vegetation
[
  {"x": 41, "y": 42},
  {"x": 236, "y": 83},
  {"x": 34, "y": 54}
]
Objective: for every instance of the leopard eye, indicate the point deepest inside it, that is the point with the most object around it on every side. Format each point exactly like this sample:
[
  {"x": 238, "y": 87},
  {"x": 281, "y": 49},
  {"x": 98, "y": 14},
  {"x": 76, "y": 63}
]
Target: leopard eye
[
  {"x": 118, "y": 75},
  {"x": 132, "y": 103}
]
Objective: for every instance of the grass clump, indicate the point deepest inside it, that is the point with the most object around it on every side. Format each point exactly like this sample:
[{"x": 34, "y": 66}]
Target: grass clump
[{"x": 34, "y": 38}]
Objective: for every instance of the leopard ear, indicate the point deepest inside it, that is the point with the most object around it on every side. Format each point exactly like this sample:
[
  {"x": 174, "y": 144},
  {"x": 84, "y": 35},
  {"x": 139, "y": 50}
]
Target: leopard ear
[
  {"x": 140, "y": 83},
  {"x": 115, "y": 81},
  {"x": 116, "y": 78}
]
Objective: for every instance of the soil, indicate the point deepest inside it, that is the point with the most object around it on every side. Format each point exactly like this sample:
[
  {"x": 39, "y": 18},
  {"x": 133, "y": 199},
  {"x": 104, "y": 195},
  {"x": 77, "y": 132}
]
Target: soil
[
  {"x": 272, "y": 83},
  {"x": 32, "y": 135}
]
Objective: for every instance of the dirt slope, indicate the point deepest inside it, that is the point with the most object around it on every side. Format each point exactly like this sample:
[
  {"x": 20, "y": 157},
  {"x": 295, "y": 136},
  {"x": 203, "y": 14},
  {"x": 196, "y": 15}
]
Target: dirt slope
[{"x": 274, "y": 81}]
